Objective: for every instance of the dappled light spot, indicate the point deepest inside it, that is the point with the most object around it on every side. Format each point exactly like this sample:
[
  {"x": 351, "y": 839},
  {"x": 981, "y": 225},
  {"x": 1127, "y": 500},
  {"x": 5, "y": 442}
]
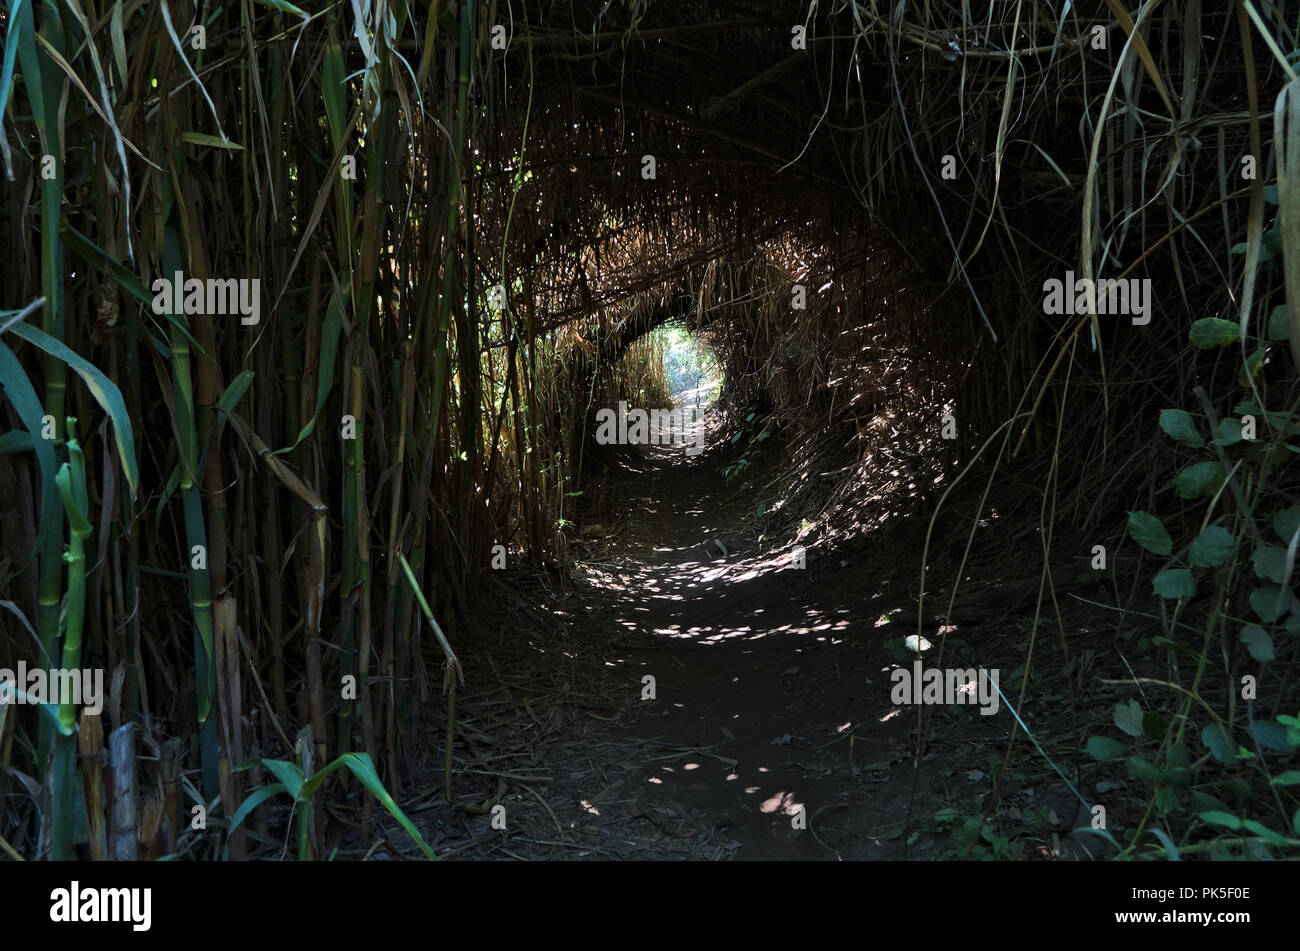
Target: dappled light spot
[{"x": 781, "y": 802}]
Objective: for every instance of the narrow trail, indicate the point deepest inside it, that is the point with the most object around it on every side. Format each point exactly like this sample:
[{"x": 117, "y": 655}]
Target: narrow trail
[
  {"x": 769, "y": 729},
  {"x": 771, "y": 701}
]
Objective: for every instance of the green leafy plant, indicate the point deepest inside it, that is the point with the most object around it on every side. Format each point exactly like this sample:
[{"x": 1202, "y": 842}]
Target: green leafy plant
[
  {"x": 302, "y": 790},
  {"x": 741, "y": 465},
  {"x": 1251, "y": 595}
]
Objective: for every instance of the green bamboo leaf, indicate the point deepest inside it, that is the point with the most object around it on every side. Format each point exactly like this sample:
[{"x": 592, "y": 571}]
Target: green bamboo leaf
[
  {"x": 1149, "y": 532},
  {"x": 1179, "y": 425},
  {"x": 9, "y": 693},
  {"x": 363, "y": 769},
  {"x": 125, "y": 278},
  {"x": 96, "y": 256},
  {"x": 235, "y": 392},
  {"x": 1290, "y": 778},
  {"x": 257, "y": 797},
  {"x": 286, "y": 8},
  {"x": 22, "y": 396},
  {"x": 288, "y": 773},
  {"x": 1286, "y": 136},
  {"x": 213, "y": 141},
  {"x": 105, "y": 392},
  {"x": 329, "y": 346},
  {"x": 106, "y": 113},
  {"x": 118, "y": 38},
  {"x": 333, "y": 90},
  {"x": 1217, "y": 818},
  {"x": 17, "y": 15},
  {"x": 181, "y": 53}
]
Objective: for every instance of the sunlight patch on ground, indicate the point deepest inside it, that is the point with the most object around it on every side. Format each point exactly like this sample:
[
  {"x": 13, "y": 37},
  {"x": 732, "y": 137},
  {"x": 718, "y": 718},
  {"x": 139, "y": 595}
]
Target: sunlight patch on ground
[{"x": 780, "y": 802}]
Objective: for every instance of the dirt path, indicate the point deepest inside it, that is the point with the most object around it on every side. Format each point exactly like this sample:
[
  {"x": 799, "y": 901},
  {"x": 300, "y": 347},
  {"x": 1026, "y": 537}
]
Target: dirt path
[
  {"x": 770, "y": 706},
  {"x": 770, "y": 732}
]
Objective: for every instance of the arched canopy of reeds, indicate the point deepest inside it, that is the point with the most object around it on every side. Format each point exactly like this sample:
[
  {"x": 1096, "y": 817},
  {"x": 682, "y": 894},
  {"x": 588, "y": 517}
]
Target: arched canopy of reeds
[{"x": 450, "y": 224}]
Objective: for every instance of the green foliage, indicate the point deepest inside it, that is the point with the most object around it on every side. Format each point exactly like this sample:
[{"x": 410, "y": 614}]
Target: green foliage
[
  {"x": 1178, "y": 424},
  {"x": 1209, "y": 799},
  {"x": 748, "y": 430},
  {"x": 1149, "y": 532},
  {"x": 301, "y": 791},
  {"x": 1214, "y": 332},
  {"x": 688, "y": 362}
]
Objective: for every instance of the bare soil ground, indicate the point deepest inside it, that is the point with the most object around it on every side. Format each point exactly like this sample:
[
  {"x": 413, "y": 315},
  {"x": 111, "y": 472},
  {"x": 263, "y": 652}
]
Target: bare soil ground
[{"x": 769, "y": 731}]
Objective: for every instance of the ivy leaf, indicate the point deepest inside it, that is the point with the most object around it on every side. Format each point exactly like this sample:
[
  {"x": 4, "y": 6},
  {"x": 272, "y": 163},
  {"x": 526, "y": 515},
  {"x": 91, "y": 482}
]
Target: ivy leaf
[
  {"x": 1154, "y": 725},
  {"x": 1179, "y": 425},
  {"x": 1174, "y": 583},
  {"x": 1149, "y": 532},
  {"x": 1214, "y": 332},
  {"x": 1128, "y": 717},
  {"x": 1104, "y": 748},
  {"x": 1283, "y": 422},
  {"x": 1268, "y": 602},
  {"x": 1287, "y": 522},
  {"x": 1279, "y": 328},
  {"x": 1271, "y": 736},
  {"x": 1228, "y": 432},
  {"x": 1219, "y": 744},
  {"x": 1250, "y": 369},
  {"x": 1202, "y": 478},
  {"x": 1211, "y": 548},
  {"x": 1269, "y": 562},
  {"x": 1144, "y": 769},
  {"x": 1258, "y": 642}
]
